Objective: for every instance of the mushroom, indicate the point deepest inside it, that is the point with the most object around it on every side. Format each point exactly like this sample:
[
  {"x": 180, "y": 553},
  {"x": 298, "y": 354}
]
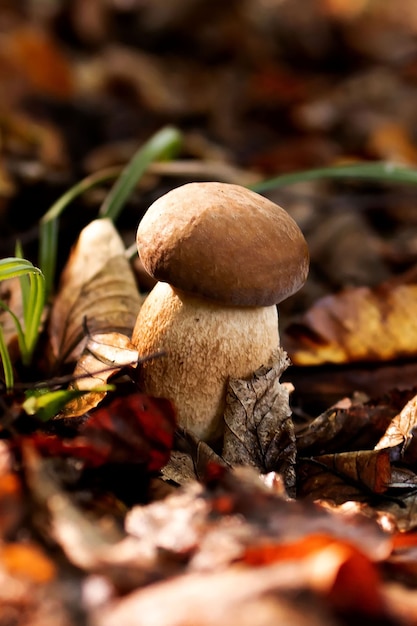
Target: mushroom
[{"x": 224, "y": 257}]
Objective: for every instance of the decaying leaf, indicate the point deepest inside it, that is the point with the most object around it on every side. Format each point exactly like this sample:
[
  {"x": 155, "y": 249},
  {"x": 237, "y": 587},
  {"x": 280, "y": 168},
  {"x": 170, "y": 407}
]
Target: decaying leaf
[
  {"x": 258, "y": 426},
  {"x": 349, "y": 425},
  {"x": 193, "y": 460},
  {"x": 98, "y": 291},
  {"x": 359, "y": 324},
  {"x": 104, "y": 355},
  {"x": 401, "y": 432},
  {"x": 280, "y": 547},
  {"x": 133, "y": 429},
  {"x": 366, "y": 470}
]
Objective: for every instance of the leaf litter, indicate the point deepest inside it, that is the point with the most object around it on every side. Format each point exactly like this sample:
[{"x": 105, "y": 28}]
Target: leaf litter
[{"x": 108, "y": 515}]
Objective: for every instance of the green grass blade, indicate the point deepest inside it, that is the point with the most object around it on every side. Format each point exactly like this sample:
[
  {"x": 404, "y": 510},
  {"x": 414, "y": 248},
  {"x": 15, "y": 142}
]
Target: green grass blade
[
  {"x": 48, "y": 233},
  {"x": 163, "y": 144},
  {"x": 47, "y": 404},
  {"x": 10, "y": 267},
  {"x": 18, "y": 326},
  {"x": 382, "y": 172},
  {"x": 33, "y": 314},
  {"x": 32, "y": 284},
  {"x": 77, "y": 190},
  {"x": 6, "y": 362},
  {"x": 48, "y": 249}
]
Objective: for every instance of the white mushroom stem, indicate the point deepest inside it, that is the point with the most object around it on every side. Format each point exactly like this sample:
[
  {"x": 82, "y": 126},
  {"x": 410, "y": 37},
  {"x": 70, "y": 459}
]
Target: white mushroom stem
[{"x": 205, "y": 343}]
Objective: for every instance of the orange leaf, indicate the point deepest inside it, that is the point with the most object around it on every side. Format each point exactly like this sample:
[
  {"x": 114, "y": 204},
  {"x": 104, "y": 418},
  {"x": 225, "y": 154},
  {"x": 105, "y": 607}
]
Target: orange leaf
[
  {"x": 27, "y": 561},
  {"x": 337, "y": 569},
  {"x": 359, "y": 324},
  {"x": 39, "y": 59}
]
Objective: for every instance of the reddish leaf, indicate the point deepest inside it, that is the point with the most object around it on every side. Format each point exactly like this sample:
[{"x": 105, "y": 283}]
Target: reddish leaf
[
  {"x": 26, "y": 560},
  {"x": 343, "y": 573},
  {"x": 131, "y": 429},
  {"x": 360, "y": 324}
]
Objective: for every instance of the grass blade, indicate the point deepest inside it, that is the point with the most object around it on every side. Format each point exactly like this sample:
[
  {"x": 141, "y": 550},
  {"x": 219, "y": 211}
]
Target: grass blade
[
  {"x": 383, "y": 172},
  {"x": 6, "y": 363},
  {"x": 18, "y": 326},
  {"x": 33, "y": 314},
  {"x": 48, "y": 248},
  {"x": 47, "y": 404},
  {"x": 10, "y": 267},
  {"x": 162, "y": 145},
  {"x": 32, "y": 285}
]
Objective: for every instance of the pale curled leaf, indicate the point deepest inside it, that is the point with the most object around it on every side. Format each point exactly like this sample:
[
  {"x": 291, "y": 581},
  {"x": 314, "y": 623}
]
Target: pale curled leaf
[
  {"x": 402, "y": 432},
  {"x": 97, "y": 287},
  {"x": 104, "y": 355},
  {"x": 258, "y": 426},
  {"x": 361, "y": 324}
]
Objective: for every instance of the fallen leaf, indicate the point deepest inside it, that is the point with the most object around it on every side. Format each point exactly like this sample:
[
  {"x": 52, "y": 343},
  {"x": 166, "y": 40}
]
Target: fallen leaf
[
  {"x": 401, "y": 432},
  {"x": 233, "y": 597},
  {"x": 104, "y": 355},
  {"x": 32, "y": 53},
  {"x": 359, "y": 324},
  {"x": 369, "y": 470},
  {"x": 131, "y": 429},
  {"x": 258, "y": 426},
  {"x": 193, "y": 459},
  {"x": 98, "y": 293},
  {"x": 357, "y": 427},
  {"x": 28, "y": 561}
]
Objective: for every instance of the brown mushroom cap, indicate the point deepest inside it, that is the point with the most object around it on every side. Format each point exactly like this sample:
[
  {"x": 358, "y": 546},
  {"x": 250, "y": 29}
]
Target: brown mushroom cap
[{"x": 225, "y": 243}]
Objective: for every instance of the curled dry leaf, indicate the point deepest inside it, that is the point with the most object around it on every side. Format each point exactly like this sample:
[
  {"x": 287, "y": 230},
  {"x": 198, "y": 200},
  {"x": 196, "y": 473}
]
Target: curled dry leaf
[
  {"x": 104, "y": 355},
  {"x": 97, "y": 288},
  {"x": 401, "y": 432},
  {"x": 258, "y": 426},
  {"x": 360, "y": 324}
]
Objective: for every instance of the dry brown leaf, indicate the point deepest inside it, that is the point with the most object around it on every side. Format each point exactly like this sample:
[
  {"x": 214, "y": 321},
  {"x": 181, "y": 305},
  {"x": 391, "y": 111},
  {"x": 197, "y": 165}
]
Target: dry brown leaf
[
  {"x": 193, "y": 460},
  {"x": 233, "y": 597},
  {"x": 401, "y": 432},
  {"x": 402, "y": 509},
  {"x": 360, "y": 324},
  {"x": 367, "y": 469},
  {"x": 104, "y": 355},
  {"x": 317, "y": 482},
  {"x": 98, "y": 292},
  {"x": 336, "y": 570},
  {"x": 32, "y": 53},
  {"x": 258, "y": 426},
  {"x": 340, "y": 428}
]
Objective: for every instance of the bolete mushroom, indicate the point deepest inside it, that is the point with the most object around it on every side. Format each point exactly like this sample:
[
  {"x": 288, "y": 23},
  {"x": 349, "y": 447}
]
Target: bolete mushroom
[{"x": 225, "y": 257}]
